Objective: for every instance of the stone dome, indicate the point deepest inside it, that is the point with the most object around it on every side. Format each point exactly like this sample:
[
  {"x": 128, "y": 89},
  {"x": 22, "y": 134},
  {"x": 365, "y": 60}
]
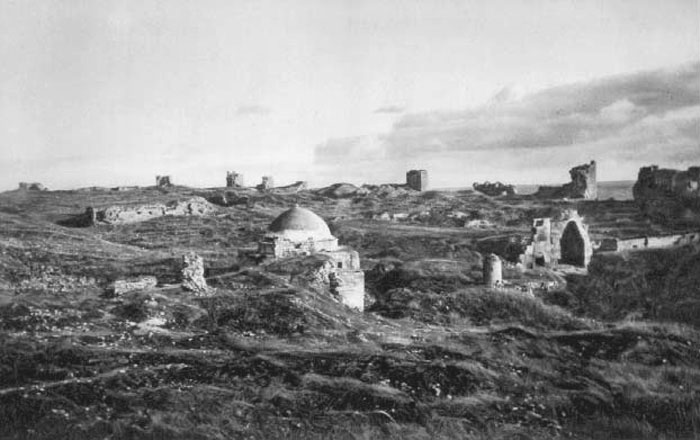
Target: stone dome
[{"x": 300, "y": 220}]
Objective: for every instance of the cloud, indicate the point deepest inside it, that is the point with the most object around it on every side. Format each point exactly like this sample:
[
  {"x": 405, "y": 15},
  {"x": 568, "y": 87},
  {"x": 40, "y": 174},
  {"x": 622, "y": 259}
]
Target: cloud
[
  {"x": 653, "y": 112},
  {"x": 392, "y": 109},
  {"x": 252, "y": 110}
]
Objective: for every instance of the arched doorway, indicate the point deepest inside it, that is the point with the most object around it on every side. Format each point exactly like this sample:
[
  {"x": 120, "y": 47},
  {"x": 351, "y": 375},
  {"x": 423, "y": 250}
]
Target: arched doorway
[{"x": 573, "y": 248}]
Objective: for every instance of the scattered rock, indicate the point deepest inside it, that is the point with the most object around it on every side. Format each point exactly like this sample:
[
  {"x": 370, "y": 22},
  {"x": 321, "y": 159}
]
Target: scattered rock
[
  {"x": 138, "y": 283},
  {"x": 193, "y": 274}
]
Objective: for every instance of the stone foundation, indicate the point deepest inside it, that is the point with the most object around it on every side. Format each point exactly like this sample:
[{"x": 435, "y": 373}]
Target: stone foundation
[{"x": 123, "y": 214}]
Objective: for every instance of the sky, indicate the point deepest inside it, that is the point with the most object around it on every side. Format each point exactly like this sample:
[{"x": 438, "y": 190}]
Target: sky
[{"x": 106, "y": 93}]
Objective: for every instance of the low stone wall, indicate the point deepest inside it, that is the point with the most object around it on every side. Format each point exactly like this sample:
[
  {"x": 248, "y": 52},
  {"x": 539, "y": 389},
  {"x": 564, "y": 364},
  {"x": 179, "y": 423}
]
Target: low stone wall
[
  {"x": 657, "y": 242},
  {"x": 124, "y": 214}
]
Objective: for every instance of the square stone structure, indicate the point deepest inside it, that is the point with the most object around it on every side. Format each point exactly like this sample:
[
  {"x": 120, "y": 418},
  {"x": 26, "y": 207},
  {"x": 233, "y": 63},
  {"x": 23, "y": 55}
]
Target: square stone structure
[
  {"x": 417, "y": 180},
  {"x": 267, "y": 183},
  {"x": 300, "y": 232},
  {"x": 561, "y": 241},
  {"x": 234, "y": 179}
]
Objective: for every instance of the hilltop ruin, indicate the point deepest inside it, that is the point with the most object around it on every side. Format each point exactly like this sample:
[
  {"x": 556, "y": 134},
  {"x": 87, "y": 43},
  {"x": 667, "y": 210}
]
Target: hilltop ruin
[
  {"x": 563, "y": 240},
  {"x": 32, "y": 186},
  {"x": 666, "y": 193},
  {"x": 234, "y": 179},
  {"x": 494, "y": 189},
  {"x": 267, "y": 184},
  {"x": 583, "y": 185},
  {"x": 417, "y": 180},
  {"x": 163, "y": 181}
]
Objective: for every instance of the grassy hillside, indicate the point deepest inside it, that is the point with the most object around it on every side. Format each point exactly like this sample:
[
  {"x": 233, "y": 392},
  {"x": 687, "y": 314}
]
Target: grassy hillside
[{"x": 266, "y": 355}]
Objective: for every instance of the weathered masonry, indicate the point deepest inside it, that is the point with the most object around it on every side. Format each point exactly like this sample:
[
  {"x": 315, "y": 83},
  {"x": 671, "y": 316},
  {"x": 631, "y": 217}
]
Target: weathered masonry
[
  {"x": 417, "y": 180},
  {"x": 561, "y": 241},
  {"x": 234, "y": 179},
  {"x": 583, "y": 185},
  {"x": 300, "y": 232},
  {"x": 649, "y": 242}
]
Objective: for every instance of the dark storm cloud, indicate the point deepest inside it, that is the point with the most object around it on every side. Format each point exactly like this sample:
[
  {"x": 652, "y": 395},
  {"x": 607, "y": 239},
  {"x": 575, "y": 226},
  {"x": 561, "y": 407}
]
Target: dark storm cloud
[{"x": 627, "y": 110}]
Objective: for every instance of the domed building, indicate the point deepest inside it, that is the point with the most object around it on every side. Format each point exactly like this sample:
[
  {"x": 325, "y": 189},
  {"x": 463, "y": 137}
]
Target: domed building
[
  {"x": 300, "y": 232},
  {"x": 297, "y": 231}
]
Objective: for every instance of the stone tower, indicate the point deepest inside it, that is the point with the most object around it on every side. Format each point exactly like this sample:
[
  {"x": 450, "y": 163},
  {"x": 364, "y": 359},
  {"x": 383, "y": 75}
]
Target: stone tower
[
  {"x": 267, "y": 183},
  {"x": 417, "y": 180},
  {"x": 493, "y": 270},
  {"x": 163, "y": 181},
  {"x": 583, "y": 181},
  {"x": 233, "y": 179}
]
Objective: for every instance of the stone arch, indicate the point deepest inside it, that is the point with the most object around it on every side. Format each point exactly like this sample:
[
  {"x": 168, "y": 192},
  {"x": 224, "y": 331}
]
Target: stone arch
[{"x": 575, "y": 246}]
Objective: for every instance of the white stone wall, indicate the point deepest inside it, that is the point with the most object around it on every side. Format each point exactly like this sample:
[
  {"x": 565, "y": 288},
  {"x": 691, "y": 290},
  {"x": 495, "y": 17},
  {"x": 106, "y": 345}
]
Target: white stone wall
[{"x": 351, "y": 288}]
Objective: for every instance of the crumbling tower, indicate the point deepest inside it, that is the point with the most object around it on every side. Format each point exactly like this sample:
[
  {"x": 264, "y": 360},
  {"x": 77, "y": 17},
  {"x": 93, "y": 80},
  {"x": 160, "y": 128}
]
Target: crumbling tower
[
  {"x": 417, "y": 180},
  {"x": 233, "y": 179},
  {"x": 267, "y": 183},
  {"x": 583, "y": 181},
  {"x": 163, "y": 181},
  {"x": 493, "y": 271}
]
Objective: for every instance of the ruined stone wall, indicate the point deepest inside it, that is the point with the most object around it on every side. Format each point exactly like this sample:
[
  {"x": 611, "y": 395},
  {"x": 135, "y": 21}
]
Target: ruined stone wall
[
  {"x": 667, "y": 193},
  {"x": 551, "y": 243},
  {"x": 279, "y": 247},
  {"x": 266, "y": 184},
  {"x": 32, "y": 186},
  {"x": 349, "y": 285},
  {"x": 234, "y": 179},
  {"x": 651, "y": 242},
  {"x": 136, "y": 283},
  {"x": 163, "y": 181},
  {"x": 583, "y": 185},
  {"x": 345, "y": 258},
  {"x": 122, "y": 214},
  {"x": 417, "y": 180}
]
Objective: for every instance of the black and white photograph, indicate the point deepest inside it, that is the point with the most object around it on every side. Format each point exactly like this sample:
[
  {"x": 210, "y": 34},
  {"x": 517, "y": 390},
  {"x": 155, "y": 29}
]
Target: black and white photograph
[{"x": 349, "y": 219}]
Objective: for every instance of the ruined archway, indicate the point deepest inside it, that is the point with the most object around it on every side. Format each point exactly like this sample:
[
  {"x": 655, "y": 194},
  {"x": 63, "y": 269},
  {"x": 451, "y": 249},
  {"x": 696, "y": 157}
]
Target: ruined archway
[{"x": 573, "y": 246}]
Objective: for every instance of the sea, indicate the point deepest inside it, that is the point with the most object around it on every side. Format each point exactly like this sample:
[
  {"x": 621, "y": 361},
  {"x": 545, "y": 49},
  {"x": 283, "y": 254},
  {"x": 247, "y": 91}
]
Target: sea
[{"x": 613, "y": 189}]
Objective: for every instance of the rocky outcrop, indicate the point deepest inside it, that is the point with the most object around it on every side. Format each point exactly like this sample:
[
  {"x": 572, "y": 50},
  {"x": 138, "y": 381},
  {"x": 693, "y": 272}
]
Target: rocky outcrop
[
  {"x": 192, "y": 273},
  {"x": 121, "y": 287},
  {"x": 339, "y": 190},
  {"x": 494, "y": 189},
  {"x": 666, "y": 193},
  {"x": 583, "y": 185},
  {"x": 123, "y": 214}
]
